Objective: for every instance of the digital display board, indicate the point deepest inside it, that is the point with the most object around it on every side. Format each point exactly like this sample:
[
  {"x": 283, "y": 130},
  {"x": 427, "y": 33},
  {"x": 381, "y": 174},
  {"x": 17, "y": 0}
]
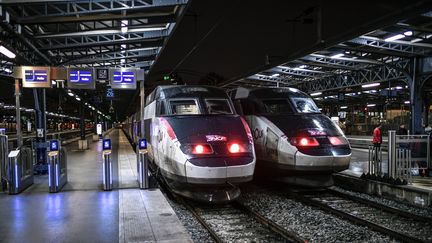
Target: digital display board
[
  {"x": 142, "y": 144},
  {"x": 106, "y": 144},
  {"x": 81, "y": 78},
  {"x": 35, "y": 77},
  {"x": 123, "y": 78}
]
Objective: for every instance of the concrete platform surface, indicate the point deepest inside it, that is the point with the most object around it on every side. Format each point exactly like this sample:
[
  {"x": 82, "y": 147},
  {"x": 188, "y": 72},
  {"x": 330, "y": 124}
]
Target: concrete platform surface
[{"x": 82, "y": 212}]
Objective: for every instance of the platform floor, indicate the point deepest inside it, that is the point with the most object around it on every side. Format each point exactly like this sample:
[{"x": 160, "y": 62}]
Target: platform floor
[
  {"x": 359, "y": 165},
  {"x": 82, "y": 212}
]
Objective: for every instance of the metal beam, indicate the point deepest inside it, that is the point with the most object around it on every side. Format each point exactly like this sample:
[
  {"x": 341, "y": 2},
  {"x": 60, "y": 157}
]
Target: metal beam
[
  {"x": 334, "y": 62},
  {"x": 144, "y": 55},
  {"x": 43, "y": 11},
  {"x": 396, "y": 46},
  {"x": 377, "y": 74}
]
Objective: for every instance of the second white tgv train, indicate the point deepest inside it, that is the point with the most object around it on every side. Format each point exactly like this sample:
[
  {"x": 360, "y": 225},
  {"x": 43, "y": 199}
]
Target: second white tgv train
[
  {"x": 197, "y": 142},
  {"x": 293, "y": 140}
]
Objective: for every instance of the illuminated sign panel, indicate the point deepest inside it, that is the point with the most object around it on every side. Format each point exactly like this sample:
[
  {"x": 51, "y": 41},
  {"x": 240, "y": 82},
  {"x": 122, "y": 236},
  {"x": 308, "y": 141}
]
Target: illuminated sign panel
[
  {"x": 124, "y": 78},
  {"x": 36, "y": 77},
  {"x": 81, "y": 78}
]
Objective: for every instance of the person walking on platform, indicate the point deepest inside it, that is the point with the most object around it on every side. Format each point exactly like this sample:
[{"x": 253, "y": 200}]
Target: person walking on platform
[{"x": 377, "y": 140}]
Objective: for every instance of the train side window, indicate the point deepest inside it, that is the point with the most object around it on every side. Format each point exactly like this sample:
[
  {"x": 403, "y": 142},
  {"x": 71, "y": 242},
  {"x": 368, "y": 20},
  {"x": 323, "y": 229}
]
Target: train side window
[{"x": 184, "y": 107}]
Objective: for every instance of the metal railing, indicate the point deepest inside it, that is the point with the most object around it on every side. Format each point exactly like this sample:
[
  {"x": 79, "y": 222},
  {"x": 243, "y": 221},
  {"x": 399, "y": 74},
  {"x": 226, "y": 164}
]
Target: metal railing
[
  {"x": 375, "y": 160},
  {"x": 404, "y": 164}
]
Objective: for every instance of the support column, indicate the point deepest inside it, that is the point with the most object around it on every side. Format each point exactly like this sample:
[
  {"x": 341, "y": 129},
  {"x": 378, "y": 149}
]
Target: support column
[
  {"x": 82, "y": 143},
  {"x": 40, "y": 145},
  {"x": 18, "y": 113},
  {"x": 416, "y": 101}
]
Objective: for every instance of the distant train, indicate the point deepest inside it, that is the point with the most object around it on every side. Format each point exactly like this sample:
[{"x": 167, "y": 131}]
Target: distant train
[
  {"x": 293, "y": 140},
  {"x": 197, "y": 142}
]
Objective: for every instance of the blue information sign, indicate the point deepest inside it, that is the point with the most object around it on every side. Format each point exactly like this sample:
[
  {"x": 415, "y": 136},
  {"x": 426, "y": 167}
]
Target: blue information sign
[
  {"x": 36, "y": 75},
  {"x": 106, "y": 144},
  {"x": 80, "y": 76},
  {"x": 54, "y": 145},
  {"x": 124, "y": 77},
  {"x": 142, "y": 143}
]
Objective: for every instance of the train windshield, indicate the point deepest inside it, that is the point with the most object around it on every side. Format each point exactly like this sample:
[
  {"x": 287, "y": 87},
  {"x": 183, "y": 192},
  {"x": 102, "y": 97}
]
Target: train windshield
[
  {"x": 218, "y": 106},
  {"x": 277, "y": 106},
  {"x": 184, "y": 107},
  {"x": 304, "y": 105}
]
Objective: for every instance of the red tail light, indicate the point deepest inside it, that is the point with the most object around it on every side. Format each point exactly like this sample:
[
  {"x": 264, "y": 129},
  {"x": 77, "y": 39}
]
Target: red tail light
[
  {"x": 235, "y": 148},
  {"x": 338, "y": 140},
  {"x": 304, "y": 142},
  {"x": 202, "y": 149}
]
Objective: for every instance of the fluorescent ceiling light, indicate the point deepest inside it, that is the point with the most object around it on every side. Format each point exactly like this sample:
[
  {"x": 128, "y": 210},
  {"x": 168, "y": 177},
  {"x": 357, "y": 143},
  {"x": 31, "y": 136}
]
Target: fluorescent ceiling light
[
  {"x": 275, "y": 75},
  {"x": 370, "y": 85},
  {"x": 395, "y": 37},
  {"x": 344, "y": 107},
  {"x": 398, "y": 87},
  {"x": 7, "y": 52},
  {"x": 8, "y": 70},
  {"x": 302, "y": 66},
  {"x": 407, "y": 102},
  {"x": 70, "y": 94},
  {"x": 337, "y": 55},
  {"x": 123, "y": 46},
  {"x": 371, "y": 105},
  {"x": 416, "y": 40},
  {"x": 122, "y": 60},
  {"x": 124, "y": 26},
  {"x": 408, "y": 33},
  {"x": 78, "y": 98},
  {"x": 316, "y": 94}
]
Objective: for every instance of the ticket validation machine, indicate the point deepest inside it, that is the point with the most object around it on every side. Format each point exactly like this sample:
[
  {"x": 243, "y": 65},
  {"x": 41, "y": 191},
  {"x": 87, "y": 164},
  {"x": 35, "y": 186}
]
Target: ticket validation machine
[
  {"x": 57, "y": 169},
  {"x": 142, "y": 164},
  {"x": 106, "y": 165}
]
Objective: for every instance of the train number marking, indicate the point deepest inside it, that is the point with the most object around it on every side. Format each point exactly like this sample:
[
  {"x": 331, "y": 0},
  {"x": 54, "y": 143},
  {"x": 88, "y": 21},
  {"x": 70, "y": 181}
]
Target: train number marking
[{"x": 257, "y": 133}]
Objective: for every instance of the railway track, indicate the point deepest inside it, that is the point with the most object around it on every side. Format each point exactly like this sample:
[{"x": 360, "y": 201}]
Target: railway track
[
  {"x": 398, "y": 224},
  {"x": 235, "y": 222}
]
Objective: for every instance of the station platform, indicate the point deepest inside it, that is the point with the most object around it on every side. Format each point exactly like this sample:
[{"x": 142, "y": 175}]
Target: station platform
[
  {"x": 82, "y": 212},
  {"x": 418, "y": 193}
]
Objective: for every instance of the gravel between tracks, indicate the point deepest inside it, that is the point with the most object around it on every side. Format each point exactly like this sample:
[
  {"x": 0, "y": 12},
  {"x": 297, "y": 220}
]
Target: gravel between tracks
[
  {"x": 197, "y": 232},
  {"x": 308, "y": 222}
]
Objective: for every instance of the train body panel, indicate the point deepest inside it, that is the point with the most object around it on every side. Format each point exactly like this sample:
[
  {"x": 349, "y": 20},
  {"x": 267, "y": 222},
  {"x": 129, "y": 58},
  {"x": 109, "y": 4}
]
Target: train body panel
[{"x": 289, "y": 141}]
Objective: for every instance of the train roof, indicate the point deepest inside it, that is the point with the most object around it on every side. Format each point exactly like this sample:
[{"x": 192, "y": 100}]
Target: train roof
[
  {"x": 186, "y": 91},
  {"x": 266, "y": 92}
]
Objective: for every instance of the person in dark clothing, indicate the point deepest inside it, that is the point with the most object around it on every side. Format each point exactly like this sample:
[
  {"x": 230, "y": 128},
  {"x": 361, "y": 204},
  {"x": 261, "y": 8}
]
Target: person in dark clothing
[{"x": 402, "y": 130}]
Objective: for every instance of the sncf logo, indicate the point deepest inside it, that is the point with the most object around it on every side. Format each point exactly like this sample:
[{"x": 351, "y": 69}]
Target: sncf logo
[{"x": 214, "y": 138}]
